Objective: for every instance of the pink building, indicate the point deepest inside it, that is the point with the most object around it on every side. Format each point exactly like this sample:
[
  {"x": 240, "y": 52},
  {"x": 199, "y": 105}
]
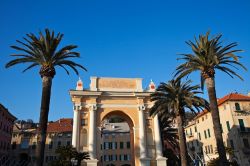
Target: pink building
[{"x": 6, "y": 126}]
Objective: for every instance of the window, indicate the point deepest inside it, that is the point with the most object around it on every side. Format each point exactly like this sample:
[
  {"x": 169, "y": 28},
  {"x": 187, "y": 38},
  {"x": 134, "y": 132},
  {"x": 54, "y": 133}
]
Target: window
[
  {"x": 221, "y": 128},
  {"x": 199, "y": 136},
  {"x": 237, "y": 106},
  {"x": 190, "y": 131},
  {"x": 246, "y": 143},
  {"x": 202, "y": 118},
  {"x": 106, "y": 158},
  {"x": 128, "y": 156},
  {"x": 83, "y": 122},
  {"x": 128, "y": 145},
  {"x": 106, "y": 146},
  {"x": 205, "y": 133},
  {"x": 125, "y": 157},
  {"x": 208, "y": 132},
  {"x": 114, "y": 157},
  {"x": 59, "y": 143},
  {"x": 121, "y": 157},
  {"x": 34, "y": 145},
  {"x": 228, "y": 125},
  {"x": 114, "y": 145},
  {"x": 25, "y": 144},
  {"x": 121, "y": 145},
  {"x": 211, "y": 148},
  {"x": 206, "y": 149},
  {"x": 232, "y": 144},
  {"x": 51, "y": 145},
  {"x": 242, "y": 126},
  {"x": 68, "y": 143},
  {"x": 195, "y": 129}
]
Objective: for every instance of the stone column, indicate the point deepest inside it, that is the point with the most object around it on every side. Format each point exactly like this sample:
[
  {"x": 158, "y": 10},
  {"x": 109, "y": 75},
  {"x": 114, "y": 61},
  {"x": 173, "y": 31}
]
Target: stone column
[
  {"x": 161, "y": 161},
  {"x": 75, "y": 136},
  {"x": 92, "y": 131},
  {"x": 145, "y": 161},
  {"x": 143, "y": 151},
  {"x": 158, "y": 145}
]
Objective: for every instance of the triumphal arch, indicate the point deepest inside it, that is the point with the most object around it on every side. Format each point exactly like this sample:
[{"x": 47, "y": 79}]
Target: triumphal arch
[{"x": 123, "y": 97}]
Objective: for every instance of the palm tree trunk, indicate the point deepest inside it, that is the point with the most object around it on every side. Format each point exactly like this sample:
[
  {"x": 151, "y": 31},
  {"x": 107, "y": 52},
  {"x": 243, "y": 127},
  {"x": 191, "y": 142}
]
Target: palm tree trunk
[
  {"x": 210, "y": 83},
  {"x": 44, "y": 112},
  {"x": 182, "y": 141}
]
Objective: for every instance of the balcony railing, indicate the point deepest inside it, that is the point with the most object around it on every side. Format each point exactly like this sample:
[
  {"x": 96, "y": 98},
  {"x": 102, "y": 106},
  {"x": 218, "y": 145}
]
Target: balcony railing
[{"x": 244, "y": 130}]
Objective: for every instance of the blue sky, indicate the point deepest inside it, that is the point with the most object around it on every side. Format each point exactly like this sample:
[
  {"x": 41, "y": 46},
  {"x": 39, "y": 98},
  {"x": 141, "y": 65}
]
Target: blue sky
[{"x": 116, "y": 38}]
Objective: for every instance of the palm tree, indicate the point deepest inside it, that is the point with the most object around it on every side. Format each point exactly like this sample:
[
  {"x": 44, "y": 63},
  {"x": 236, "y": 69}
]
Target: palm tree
[
  {"x": 209, "y": 55},
  {"x": 168, "y": 132},
  {"x": 43, "y": 51},
  {"x": 173, "y": 99},
  {"x": 169, "y": 139},
  {"x": 66, "y": 153}
]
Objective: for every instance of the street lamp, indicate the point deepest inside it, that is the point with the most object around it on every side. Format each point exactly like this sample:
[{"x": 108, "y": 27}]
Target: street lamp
[{"x": 73, "y": 161}]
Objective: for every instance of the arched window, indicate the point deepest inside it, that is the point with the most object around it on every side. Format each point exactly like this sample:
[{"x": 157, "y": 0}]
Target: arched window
[{"x": 237, "y": 106}]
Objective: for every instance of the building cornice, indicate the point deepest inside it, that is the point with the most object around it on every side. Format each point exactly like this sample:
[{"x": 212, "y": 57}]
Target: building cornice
[{"x": 108, "y": 93}]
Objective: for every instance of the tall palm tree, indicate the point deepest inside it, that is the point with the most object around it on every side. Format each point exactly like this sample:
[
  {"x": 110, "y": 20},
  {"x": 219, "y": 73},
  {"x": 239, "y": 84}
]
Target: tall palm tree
[
  {"x": 209, "y": 55},
  {"x": 43, "y": 51},
  {"x": 168, "y": 132},
  {"x": 174, "y": 98}
]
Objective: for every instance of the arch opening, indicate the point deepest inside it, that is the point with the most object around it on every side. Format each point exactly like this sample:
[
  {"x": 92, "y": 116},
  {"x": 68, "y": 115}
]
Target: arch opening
[{"x": 116, "y": 139}]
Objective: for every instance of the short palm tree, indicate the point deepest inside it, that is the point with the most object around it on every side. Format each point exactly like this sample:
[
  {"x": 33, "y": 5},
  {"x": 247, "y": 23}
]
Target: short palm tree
[
  {"x": 66, "y": 154},
  {"x": 174, "y": 98},
  {"x": 43, "y": 51},
  {"x": 209, "y": 55}
]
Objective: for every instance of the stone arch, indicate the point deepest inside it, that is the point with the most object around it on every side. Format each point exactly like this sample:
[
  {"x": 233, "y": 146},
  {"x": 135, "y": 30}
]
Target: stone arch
[
  {"x": 122, "y": 114},
  {"x": 131, "y": 123}
]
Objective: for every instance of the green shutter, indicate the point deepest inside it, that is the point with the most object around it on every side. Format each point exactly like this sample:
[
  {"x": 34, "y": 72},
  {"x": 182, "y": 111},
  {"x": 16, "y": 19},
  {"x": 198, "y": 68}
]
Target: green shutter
[
  {"x": 242, "y": 126},
  {"x": 228, "y": 126},
  {"x": 205, "y": 133}
]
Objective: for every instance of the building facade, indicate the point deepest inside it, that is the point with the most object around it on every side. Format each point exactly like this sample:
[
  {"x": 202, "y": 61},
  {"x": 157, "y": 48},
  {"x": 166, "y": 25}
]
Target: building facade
[
  {"x": 6, "y": 127},
  {"x": 24, "y": 140},
  {"x": 123, "y": 97},
  {"x": 115, "y": 144},
  {"x": 234, "y": 110}
]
